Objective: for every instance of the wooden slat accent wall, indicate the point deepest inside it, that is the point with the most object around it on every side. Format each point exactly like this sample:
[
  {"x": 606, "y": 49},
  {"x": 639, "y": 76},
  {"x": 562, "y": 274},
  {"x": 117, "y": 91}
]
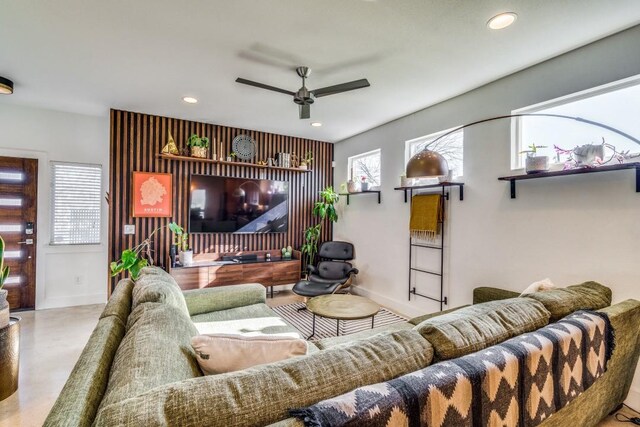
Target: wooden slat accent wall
[{"x": 136, "y": 140}]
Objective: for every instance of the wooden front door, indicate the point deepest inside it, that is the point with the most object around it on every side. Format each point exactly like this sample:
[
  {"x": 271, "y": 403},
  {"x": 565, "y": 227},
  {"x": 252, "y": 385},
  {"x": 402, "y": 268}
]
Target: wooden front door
[{"x": 18, "y": 197}]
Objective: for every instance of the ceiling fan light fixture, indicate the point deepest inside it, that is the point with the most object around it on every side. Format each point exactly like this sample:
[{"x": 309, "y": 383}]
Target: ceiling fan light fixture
[
  {"x": 190, "y": 100},
  {"x": 6, "y": 86},
  {"x": 427, "y": 164},
  {"x": 502, "y": 20}
]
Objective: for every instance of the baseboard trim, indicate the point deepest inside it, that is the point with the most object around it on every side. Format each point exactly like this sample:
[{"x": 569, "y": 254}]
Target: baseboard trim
[
  {"x": 71, "y": 301},
  {"x": 400, "y": 308},
  {"x": 633, "y": 399}
]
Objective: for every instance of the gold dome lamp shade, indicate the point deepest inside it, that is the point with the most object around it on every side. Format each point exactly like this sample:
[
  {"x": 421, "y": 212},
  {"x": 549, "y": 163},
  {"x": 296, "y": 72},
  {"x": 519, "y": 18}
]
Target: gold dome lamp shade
[
  {"x": 6, "y": 86},
  {"x": 427, "y": 164}
]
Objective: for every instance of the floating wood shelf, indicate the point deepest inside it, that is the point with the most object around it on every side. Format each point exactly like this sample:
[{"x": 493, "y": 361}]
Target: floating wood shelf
[
  {"x": 362, "y": 192},
  {"x": 513, "y": 178},
  {"x": 222, "y": 162},
  {"x": 441, "y": 185}
]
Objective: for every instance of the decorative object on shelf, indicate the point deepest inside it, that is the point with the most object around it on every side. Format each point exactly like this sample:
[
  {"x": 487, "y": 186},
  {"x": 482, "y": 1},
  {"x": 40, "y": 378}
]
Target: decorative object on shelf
[
  {"x": 135, "y": 259},
  {"x": 232, "y": 157},
  {"x": 199, "y": 146},
  {"x": 261, "y": 163},
  {"x": 364, "y": 185},
  {"x": 152, "y": 195},
  {"x": 592, "y": 155},
  {"x": 284, "y": 160},
  {"x": 244, "y": 147},
  {"x": 306, "y": 160},
  {"x": 426, "y": 215},
  {"x": 4, "y": 273},
  {"x": 170, "y": 147},
  {"x": 352, "y": 186},
  {"x": 186, "y": 254},
  {"x": 286, "y": 252},
  {"x": 427, "y": 164},
  {"x": 271, "y": 161},
  {"x": 534, "y": 163},
  {"x": 323, "y": 209},
  {"x": 246, "y": 165},
  {"x": 404, "y": 181}
]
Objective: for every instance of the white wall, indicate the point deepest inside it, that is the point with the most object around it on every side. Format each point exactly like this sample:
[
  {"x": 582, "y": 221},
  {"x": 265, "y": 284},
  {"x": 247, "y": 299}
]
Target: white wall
[
  {"x": 570, "y": 229},
  {"x": 72, "y": 275}
]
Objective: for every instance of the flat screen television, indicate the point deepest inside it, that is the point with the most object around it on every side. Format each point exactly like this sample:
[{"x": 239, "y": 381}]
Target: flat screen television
[{"x": 219, "y": 204}]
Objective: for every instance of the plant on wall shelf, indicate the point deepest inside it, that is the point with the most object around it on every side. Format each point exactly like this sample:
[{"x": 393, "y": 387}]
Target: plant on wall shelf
[
  {"x": 323, "y": 209},
  {"x": 135, "y": 259},
  {"x": 199, "y": 146},
  {"x": 197, "y": 141}
]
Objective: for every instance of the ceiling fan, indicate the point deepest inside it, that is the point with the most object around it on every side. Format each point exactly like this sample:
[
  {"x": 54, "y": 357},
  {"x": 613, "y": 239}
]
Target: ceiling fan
[{"x": 305, "y": 97}]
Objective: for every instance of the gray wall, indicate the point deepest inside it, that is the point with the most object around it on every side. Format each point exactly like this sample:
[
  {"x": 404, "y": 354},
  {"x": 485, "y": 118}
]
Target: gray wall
[{"x": 569, "y": 229}]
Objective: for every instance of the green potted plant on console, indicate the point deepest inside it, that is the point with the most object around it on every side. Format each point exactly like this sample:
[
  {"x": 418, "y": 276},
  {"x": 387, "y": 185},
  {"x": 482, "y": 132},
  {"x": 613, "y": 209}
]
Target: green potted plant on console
[
  {"x": 135, "y": 259},
  {"x": 186, "y": 254},
  {"x": 199, "y": 146}
]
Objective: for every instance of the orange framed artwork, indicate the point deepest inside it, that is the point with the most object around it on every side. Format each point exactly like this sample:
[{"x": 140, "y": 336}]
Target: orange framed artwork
[{"x": 152, "y": 194}]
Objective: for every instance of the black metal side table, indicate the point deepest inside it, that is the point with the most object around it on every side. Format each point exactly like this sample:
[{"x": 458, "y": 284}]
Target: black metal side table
[{"x": 9, "y": 357}]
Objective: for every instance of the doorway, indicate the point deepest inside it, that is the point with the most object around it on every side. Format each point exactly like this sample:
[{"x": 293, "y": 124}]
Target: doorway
[{"x": 18, "y": 213}]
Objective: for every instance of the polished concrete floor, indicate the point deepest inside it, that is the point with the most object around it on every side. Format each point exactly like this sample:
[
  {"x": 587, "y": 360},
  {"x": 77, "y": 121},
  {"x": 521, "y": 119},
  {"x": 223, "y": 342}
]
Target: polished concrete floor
[{"x": 51, "y": 342}]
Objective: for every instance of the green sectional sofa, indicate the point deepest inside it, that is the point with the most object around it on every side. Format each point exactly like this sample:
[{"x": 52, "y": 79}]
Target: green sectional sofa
[{"x": 138, "y": 367}]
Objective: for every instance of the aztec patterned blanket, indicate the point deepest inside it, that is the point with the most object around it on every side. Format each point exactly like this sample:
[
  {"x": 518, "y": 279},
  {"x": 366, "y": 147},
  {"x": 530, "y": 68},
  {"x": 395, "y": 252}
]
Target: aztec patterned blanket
[{"x": 519, "y": 382}]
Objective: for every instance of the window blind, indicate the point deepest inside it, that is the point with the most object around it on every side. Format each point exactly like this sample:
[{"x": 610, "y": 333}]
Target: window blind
[{"x": 76, "y": 211}]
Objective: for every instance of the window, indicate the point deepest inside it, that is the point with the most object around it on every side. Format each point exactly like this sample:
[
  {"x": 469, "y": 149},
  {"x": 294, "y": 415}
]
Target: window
[
  {"x": 75, "y": 203},
  {"x": 451, "y": 147},
  {"x": 616, "y": 105},
  {"x": 366, "y": 165}
]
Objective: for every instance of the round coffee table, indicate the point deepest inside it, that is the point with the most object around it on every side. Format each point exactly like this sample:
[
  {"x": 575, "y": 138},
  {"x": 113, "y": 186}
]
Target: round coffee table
[{"x": 341, "y": 307}]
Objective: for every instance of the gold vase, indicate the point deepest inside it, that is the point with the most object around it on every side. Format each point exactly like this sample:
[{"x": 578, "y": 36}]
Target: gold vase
[{"x": 200, "y": 152}]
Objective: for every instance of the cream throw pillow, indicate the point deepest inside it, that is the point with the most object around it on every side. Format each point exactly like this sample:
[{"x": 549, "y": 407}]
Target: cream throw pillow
[
  {"x": 540, "y": 285},
  {"x": 220, "y": 353}
]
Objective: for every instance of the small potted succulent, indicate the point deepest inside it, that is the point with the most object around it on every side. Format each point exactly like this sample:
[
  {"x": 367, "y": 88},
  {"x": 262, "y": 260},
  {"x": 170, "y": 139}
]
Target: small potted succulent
[
  {"x": 364, "y": 185},
  {"x": 535, "y": 163},
  {"x": 232, "y": 157},
  {"x": 199, "y": 146},
  {"x": 305, "y": 162},
  {"x": 186, "y": 254},
  {"x": 4, "y": 273}
]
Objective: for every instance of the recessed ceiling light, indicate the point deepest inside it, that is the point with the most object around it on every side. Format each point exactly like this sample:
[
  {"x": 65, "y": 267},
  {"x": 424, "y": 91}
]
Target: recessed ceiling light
[
  {"x": 6, "y": 86},
  {"x": 316, "y": 124},
  {"x": 190, "y": 100},
  {"x": 502, "y": 20}
]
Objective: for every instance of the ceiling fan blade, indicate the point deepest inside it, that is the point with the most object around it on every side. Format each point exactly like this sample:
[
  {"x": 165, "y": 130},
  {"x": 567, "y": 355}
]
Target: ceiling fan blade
[
  {"x": 264, "y": 86},
  {"x": 344, "y": 87},
  {"x": 305, "y": 111}
]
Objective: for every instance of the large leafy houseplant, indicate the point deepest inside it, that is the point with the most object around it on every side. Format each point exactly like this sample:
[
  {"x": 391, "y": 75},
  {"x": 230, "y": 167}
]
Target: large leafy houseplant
[
  {"x": 324, "y": 209},
  {"x": 133, "y": 260}
]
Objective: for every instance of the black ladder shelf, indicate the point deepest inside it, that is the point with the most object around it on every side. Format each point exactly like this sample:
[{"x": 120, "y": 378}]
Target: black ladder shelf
[{"x": 443, "y": 300}]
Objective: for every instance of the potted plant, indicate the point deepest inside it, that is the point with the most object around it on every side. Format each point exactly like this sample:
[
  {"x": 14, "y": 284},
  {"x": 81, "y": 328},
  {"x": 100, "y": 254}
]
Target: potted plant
[
  {"x": 364, "y": 185},
  {"x": 305, "y": 162},
  {"x": 232, "y": 157},
  {"x": 535, "y": 163},
  {"x": 4, "y": 273},
  {"x": 323, "y": 209},
  {"x": 199, "y": 146},
  {"x": 186, "y": 254},
  {"x": 135, "y": 259}
]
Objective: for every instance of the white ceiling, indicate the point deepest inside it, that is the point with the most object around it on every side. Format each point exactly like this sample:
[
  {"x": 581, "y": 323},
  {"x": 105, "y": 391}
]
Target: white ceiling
[{"x": 87, "y": 56}]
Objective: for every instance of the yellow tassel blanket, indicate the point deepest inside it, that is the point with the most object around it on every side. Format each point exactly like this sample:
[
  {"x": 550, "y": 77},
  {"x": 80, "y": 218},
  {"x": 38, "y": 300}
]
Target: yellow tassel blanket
[{"x": 426, "y": 216}]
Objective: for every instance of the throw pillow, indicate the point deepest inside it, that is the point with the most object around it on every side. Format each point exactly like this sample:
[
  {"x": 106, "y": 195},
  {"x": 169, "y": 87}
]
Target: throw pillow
[
  {"x": 539, "y": 286},
  {"x": 220, "y": 353},
  {"x": 562, "y": 302}
]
